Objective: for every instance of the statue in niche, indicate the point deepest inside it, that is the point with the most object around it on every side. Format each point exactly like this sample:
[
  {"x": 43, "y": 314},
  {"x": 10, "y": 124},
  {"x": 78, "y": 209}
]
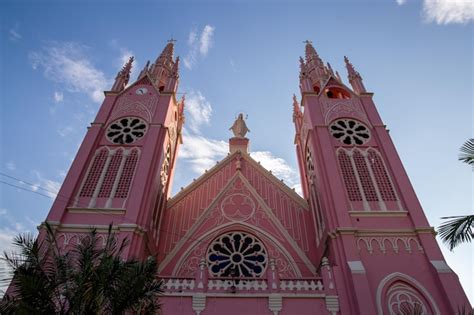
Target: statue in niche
[{"x": 239, "y": 128}]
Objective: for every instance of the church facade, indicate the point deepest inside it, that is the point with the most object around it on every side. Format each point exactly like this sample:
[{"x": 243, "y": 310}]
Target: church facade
[{"x": 237, "y": 240}]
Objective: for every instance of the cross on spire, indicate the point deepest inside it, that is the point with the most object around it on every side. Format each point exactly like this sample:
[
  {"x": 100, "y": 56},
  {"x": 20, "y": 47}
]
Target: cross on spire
[
  {"x": 172, "y": 40},
  {"x": 307, "y": 42}
]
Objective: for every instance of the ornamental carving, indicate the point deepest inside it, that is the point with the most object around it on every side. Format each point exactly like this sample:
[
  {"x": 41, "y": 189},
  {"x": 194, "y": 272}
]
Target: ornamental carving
[
  {"x": 389, "y": 243},
  {"x": 128, "y": 106},
  {"x": 237, "y": 254},
  {"x": 335, "y": 108},
  {"x": 237, "y": 207}
]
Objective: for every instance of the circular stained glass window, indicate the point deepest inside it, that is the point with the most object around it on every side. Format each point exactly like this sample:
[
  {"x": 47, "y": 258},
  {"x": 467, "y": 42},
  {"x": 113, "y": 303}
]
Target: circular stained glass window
[
  {"x": 236, "y": 254},
  {"x": 350, "y": 131},
  {"x": 126, "y": 130}
]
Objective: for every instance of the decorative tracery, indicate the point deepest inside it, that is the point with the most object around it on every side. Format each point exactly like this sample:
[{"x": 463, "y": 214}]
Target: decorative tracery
[
  {"x": 237, "y": 254},
  {"x": 126, "y": 130},
  {"x": 349, "y": 131},
  {"x": 402, "y": 299}
]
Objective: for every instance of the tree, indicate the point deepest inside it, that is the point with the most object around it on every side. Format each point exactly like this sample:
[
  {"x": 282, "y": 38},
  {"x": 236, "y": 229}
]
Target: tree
[
  {"x": 458, "y": 229},
  {"x": 89, "y": 279}
]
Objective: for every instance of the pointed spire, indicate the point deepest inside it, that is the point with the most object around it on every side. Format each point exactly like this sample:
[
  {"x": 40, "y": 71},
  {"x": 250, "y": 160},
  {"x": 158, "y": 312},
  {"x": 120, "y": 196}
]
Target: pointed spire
[
  {"x": 175, "y": 70},
  {"x": 127, "y": 68},
  {"x": 311, "y": 53},
  {"x": 354, "y": 77},
  {"x": 123, "y": 76},
  {"x": 168, "y": 51},
  {"x": 352, "y": 73},
  {"x": 296, "y": 108},
  {"x": 315, "y": 69},
  {"x": 144, "y": 70},
  {"x": 330, "y": 69}
]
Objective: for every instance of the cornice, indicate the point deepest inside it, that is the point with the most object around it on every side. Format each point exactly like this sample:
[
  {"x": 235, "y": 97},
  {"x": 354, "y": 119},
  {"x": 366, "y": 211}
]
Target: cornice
[{"x": 115, "y": 211}]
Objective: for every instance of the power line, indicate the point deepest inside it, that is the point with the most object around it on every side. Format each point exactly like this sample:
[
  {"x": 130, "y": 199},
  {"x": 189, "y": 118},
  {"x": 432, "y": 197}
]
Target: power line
[{"x": 124, "y": 220}]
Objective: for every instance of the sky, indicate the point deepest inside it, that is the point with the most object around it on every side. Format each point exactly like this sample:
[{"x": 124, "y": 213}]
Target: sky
[{"x": 56, "y": 58}]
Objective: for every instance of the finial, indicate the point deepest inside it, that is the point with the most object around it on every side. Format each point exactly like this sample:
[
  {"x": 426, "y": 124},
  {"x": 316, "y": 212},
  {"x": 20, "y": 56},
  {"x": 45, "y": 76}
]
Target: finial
[
  {"x": 350, "y": 68},
  {"x": 127, "y": 67},
  {"x": 330, "y": 68},
  {"x": 144, "y": 70},
  {"x": 239, "y": 128},
  {"x": 172, "y": 40},
  {"x": 307, "y": 42},
  {"x": 354, "y": 77}
]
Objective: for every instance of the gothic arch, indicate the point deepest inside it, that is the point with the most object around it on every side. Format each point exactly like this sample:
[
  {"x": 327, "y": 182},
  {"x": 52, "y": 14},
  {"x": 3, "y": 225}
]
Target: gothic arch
[
  {"x": 411, "y": 284},
  {"x": 266, "y": 238}
]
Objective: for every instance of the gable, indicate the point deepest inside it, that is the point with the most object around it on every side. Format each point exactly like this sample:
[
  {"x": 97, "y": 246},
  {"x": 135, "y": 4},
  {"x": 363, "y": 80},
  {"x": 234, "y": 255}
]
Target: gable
[{"x": 248, "y": 200}]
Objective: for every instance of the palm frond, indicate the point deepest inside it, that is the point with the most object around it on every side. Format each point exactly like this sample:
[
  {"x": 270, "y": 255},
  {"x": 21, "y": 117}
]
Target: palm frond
[
  {"x": 457, "y": 230},
  {"x": 467, "y": 152}
]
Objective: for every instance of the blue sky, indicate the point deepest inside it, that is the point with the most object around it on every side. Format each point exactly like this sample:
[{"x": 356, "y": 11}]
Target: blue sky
[{"x": 241, "y": 56}]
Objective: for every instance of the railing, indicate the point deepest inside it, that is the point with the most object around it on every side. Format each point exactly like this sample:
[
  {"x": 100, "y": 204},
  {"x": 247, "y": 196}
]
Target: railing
[
  {"x": 246, "y": 284},
  {"x": 233, "y": 285},
  {"x": 178, "y": 284},
  {"x": 301, "y": 285}
]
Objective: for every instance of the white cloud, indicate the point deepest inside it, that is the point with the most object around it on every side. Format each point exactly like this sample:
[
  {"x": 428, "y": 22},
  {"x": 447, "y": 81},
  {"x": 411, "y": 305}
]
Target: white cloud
[
  {"x": 65, "y": 131},
  {"x": 10, "y": 166},
  {"x": 67, "y": 63},
  {"x": 14, "y": 35},
  {"x": 192, "y": 37},
  {"x": 198, "y": 47},
  {"x": 58, "y": 97},
  {"x": 202, "y": 153},
  {"x": 448, "y": 11},
  {"x": 206, "y": 39},
  {"x": 47, "y": 186},
  {"x": 198, "y": 110},
  {"x": 279, "y": 167}
]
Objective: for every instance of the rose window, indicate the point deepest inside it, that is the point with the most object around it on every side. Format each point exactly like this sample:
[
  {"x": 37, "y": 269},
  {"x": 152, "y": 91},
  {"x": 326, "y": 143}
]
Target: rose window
[
  {"x": 349, "y": 131},
  {"x": 236, "y": 254},
  {"x": 126, "y": 130}
]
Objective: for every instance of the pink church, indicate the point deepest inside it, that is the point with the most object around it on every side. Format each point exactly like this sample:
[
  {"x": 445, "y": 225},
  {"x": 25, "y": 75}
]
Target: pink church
[{"x": 237, "y": 240}]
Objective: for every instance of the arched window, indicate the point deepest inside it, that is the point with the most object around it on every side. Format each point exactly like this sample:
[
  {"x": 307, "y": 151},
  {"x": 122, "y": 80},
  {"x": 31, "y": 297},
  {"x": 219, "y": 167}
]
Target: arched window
[{"x": 337, "y": 92}]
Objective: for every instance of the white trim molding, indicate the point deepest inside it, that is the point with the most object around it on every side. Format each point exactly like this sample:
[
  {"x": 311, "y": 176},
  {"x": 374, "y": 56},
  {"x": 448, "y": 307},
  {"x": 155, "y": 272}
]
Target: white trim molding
[
  {"x": 356, "y": 266},
  {"x": 441, "y": 266}
]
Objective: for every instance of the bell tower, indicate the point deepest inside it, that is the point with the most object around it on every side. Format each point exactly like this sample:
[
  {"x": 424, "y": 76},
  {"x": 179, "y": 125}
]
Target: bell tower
[
  {"x": 368, "y": 220},
  {"x": 124, "y": 167}
]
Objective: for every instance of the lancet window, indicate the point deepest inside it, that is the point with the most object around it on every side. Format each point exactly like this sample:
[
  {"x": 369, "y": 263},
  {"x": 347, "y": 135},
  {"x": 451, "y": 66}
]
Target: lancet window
[
  {"x": 109, "y": 174},
  {"x": 367, "y": 180}
]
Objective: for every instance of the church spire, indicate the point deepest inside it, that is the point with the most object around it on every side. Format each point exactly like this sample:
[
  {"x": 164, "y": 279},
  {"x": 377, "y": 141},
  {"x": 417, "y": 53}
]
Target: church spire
[
  {"x": 354, "y": 77},
  {"x": 164, "y": 71},
  {"x": 313, "y": 71},
  {"x": 167, "y": 53},
  {"x": 144, "y": 70},
  {"x": 123, "y": 76}
]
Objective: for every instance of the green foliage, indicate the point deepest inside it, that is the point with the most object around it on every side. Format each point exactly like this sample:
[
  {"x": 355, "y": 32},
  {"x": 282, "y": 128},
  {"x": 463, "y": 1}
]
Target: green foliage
[
  {"x": 467, "y": 152},
  {"x": 457, "y": 230},
  {"x": 89, "y": 279}
]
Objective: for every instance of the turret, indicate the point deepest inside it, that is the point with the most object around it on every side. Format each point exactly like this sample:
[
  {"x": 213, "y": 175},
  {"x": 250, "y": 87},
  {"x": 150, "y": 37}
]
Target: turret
[
  {"x": 123, "y": 76},
  {"x": 313, "y": 72},
  {"x": 164, "y": 71},
  {"x": 354, "y": 77}
]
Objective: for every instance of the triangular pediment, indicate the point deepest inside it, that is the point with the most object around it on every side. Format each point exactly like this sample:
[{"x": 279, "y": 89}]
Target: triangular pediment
[{"x": 238, "y": 206}]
